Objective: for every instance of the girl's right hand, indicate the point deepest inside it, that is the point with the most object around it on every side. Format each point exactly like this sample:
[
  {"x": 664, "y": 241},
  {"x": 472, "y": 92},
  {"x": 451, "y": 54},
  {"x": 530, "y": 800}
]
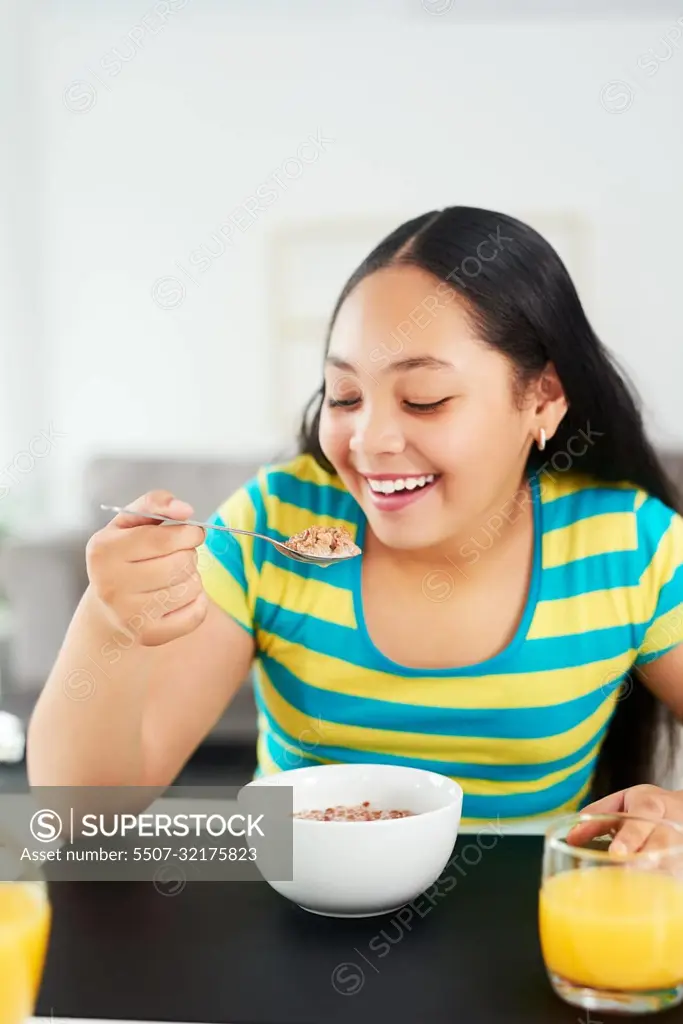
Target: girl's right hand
[{"x": 144, "y": 574}]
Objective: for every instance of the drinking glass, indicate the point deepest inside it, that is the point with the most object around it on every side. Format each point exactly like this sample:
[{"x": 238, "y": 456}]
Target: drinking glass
[
  {"x": 611, "y": 926},
  {"x": 25, "y": 918}
]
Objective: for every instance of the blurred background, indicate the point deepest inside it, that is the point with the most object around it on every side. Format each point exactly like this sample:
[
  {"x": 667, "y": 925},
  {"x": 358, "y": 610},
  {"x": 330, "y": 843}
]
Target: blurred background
[{"x": 186, "y": 185}]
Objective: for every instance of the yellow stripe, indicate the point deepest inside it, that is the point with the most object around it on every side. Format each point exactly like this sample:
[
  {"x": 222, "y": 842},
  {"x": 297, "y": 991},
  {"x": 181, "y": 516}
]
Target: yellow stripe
[
  {"x": 501, "y": 787},
  {"x": 600, "y": 609},
  {"x": 514, "y": 690},
  {"x": 306, "y": 469},
  {"x": 666, "y": 631},
  {"x": 290, "y": 519},
  {"x": 239, "y": 511},
  {"x": 304, "y": 596},
  {"x": 472, "y": 749},
  {"x": 558, "y": 484},
  {"x": 223, "y": 590},
  {"x": 595, "y": 535},
  {"x": 641, "y": 498}
]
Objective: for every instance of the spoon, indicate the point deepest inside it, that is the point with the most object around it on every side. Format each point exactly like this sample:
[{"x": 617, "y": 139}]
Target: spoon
[{"x": 299, "y": 556}]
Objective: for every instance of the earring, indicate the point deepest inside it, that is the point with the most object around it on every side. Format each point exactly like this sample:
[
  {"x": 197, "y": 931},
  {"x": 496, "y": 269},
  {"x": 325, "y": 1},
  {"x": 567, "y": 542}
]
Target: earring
[{"x": 541, "y": 441}]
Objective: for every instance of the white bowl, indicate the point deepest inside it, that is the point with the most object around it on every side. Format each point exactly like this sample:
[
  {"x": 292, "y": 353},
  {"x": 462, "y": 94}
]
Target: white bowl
[{"x": 366, "y": 868}]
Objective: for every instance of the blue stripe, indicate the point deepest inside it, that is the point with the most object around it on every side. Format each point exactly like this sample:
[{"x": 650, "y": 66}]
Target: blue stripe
[
  {"x": 319, "y": 499},
  {"x": 287, "y": 760},
  {"x": 464, "y": 769},
  {"x": 612, "y": 570},
  {"x": 671, "y": 595},
  {"x": 539, "y": 655},
  {"x": 226, "y": 547},
  {"x": 654, "y": 519},
  {"x": 524, "y": 805},
  {"x": 645, "y": 659},
  {"x": 498, "y": 723},
  {"x": 592, "y": 501}
]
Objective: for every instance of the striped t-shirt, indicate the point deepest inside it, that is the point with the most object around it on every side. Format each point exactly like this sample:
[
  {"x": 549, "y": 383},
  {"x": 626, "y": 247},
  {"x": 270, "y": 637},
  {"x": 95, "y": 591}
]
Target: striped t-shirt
[{"x": 520, "y": 731}]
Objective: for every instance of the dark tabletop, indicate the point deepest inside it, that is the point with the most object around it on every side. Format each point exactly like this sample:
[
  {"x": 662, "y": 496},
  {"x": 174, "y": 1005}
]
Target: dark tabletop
[{"x": 239, "y": 953}]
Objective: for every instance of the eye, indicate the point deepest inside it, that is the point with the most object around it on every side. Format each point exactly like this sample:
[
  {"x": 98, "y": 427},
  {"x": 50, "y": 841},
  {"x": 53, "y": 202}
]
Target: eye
[
  {"x": 423, "y": 407},
  {"x": 346, "y": 403}
]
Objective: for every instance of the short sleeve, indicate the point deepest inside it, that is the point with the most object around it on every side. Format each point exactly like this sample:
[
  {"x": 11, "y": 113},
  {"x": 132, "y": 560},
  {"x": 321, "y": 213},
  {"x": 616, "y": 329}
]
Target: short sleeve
[
  {"x": 226, "y": 561},
  {"x": 660, "y": 541}
]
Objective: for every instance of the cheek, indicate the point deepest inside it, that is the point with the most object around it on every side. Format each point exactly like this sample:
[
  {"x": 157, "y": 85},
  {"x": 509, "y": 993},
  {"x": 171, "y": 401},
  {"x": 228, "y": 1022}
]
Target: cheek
[
  {"x": 334, "y": 435},
  {"x": 479, "y": 437}
]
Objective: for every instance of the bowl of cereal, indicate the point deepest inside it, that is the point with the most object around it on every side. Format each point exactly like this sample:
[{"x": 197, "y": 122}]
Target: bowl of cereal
[{"x": 367, "y": 838}]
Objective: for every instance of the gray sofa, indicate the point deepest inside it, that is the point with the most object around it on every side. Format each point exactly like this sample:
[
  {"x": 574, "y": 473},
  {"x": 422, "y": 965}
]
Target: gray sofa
[{"x": 44, "y": 579}]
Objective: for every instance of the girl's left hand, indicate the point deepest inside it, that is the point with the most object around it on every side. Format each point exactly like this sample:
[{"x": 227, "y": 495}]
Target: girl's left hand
[{"x": 650, "y": 802}]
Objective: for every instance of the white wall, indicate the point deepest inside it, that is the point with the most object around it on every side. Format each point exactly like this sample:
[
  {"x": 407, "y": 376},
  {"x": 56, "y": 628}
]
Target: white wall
[
  {"x": 139, "y": 168},
  {"x": 22, "y": 399}
]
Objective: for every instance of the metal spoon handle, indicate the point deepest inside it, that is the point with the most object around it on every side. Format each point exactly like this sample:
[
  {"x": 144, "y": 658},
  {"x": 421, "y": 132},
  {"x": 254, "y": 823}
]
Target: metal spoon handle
[{"x": 178, "y": 522}]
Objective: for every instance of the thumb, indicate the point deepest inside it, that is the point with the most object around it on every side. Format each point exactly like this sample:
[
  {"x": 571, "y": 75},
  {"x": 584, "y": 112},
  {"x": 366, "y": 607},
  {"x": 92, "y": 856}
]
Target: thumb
[{"x": 162, "y": 503}]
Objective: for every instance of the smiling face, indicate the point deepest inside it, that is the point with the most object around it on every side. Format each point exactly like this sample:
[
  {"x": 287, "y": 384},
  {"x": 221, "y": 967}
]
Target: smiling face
[{"x": 421, "y": 423}]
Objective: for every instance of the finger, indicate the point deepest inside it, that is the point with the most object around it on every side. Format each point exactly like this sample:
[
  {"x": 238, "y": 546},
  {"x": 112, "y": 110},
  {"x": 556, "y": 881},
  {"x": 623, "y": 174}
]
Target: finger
[
  {"x": 178, "y": 623},
  {"x": 166, "y": 600},
  {"x": 156, "y": 502},
  {"x": 583, "y": 832},
  {"x": 146, "y": 575},
  {"x": 149, "y": 543},
  {"x": 633, "y": 834}
]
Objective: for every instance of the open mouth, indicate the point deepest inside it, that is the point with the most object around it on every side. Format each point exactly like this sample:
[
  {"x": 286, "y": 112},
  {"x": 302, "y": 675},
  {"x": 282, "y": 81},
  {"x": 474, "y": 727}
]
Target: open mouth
[{"x": 395, "y": 492}]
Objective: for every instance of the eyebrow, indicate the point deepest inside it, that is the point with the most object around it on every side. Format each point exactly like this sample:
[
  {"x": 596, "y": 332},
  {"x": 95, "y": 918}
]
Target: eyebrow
[{"x": 415, "y": 363}]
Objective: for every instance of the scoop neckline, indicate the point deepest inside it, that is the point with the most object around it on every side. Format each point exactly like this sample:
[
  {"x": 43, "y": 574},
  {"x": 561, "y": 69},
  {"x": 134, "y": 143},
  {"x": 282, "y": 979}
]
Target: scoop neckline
[{"x": 383, "y": 662}]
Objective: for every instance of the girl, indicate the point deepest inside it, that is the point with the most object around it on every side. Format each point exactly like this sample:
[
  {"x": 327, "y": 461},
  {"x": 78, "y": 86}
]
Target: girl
[{"x": 516, "y": 616}]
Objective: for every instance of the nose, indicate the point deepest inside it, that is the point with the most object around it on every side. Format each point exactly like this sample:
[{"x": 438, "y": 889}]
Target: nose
[{"x": 376, "y": 433}]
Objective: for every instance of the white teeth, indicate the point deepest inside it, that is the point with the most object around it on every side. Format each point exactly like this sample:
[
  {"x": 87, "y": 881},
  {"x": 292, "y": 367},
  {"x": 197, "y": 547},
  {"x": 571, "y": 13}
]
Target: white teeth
[{"x": 408, "y": 483}]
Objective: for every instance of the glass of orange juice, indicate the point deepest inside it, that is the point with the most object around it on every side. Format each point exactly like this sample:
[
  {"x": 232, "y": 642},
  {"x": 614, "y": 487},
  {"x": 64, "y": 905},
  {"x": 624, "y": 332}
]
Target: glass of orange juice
[
  {"x": 611, "y": 926},
  {"x": 24, "y": 930}
]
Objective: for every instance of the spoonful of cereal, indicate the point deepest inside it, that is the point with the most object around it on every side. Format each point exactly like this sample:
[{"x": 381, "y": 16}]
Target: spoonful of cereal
[{"x": 316, "y": 545}]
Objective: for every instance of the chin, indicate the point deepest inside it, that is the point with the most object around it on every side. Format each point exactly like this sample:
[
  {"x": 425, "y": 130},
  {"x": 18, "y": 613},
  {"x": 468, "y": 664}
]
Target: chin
[{"x": 402, "y": 538}]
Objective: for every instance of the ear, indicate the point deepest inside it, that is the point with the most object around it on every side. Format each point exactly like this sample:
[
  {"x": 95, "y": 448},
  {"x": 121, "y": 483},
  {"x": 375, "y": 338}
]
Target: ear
[{"x": 549, "y": 401}]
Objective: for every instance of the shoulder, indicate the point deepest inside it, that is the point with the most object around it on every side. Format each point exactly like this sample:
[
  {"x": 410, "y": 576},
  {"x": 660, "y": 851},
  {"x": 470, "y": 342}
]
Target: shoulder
[
  {"x": 660, "y": 534},
  {"x": 303, "y": 481},
  {"x": 585, "y": 504},
  {"x": 283, "y": 491},
  {"x": 611, "y": 516}
]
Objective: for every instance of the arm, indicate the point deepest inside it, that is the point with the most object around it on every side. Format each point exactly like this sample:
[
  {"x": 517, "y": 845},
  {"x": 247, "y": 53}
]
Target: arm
[
  {"x": 658, "y": 665},
  {"x": 136, "y": 720},
  {"x": 663, "y": 675}
]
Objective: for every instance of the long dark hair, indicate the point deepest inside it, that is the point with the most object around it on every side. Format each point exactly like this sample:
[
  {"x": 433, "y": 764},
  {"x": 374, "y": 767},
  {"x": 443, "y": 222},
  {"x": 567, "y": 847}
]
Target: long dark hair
[{"x": 524, "y": 303}]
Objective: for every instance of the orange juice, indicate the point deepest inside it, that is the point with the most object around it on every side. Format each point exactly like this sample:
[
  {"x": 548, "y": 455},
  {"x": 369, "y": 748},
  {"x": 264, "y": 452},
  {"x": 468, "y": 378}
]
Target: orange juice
[
  {"x": 24, "y": 929},
  {"x": 618, "y": 928}
]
